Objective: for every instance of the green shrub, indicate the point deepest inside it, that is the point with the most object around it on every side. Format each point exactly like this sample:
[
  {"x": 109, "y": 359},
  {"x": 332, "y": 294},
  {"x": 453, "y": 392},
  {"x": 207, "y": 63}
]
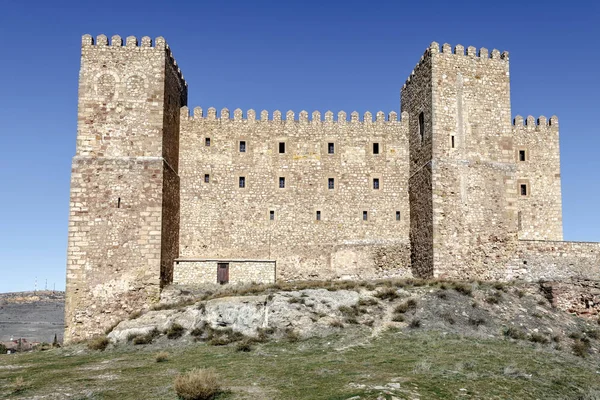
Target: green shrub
[
  {"x": 389, "y": 294},
  {"x": 175, "y": 331},
  {"x": 198, "y": 384},
  {"x": 514, "y": 333},
  {"x": 19, "y": 385},
  {"x": 98, "y": 343},
  {"x": 398, "y": 318},
  {"x": 336, "y": 324},
  {"x": 2, "y": 349},
  {"x": 592, "y": 333},
  {"x": 463, "y": 288},
  {"x": 244, "y": 346},
  {"x": 162, "y": 357},
  {"x": 367, "y": 302},
  {"x": 538, "y": 338},
  {"x": 476, "y": 321},
  {"x": 494, "y": 298},
  {"x": 442, "y": 294},
  {"x": 291, "y": 335},
  {"x": 415, "y": 323},
  {"x": 351, "y": 320},
  {"x": 144, "y": 339},
  {"x": 580, "y": 348}
]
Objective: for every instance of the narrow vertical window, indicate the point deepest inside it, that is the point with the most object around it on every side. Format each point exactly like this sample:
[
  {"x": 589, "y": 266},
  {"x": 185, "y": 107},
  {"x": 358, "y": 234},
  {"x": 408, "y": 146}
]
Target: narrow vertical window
[
  {"x": 207, "y": 142},
  {"x": 331, "y": 183},
  {"x": 521, "y": 155},
  {"x": 375, "y": 148},
  {"x": 397, "y": 215},
  {"x": 281, "y": 147},
  {"x": 422, "y": 126},
  {"x": 242, "y": 146},
  {"x": 365, "y": 215},
  {"x": 523, "y": 189},
  {"x": 281, "y": 182},
  {"x": 452, "y": 141},
  {"x": 330, "y": 148},
  {"x": 519, "y": 222},
  {"x": 206, "y": 178},
  {"x": 318, "y": 215},
  {"x": 376, "y": 183},
  {"x": 242, "y": 181},
  {"x": 272, "y": 215},
  {"x": 119, "y": 202}
]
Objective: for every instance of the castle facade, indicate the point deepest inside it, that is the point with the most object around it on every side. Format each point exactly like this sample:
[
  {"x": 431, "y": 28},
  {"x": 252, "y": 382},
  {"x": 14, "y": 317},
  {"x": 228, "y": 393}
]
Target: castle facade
[{"x": 453, "y": 187}]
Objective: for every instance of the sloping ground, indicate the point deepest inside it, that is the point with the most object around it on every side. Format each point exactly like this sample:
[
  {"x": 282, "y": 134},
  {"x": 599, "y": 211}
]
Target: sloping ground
[
  {"x": 385, "y": 340},
  {"x": 35, "y": 316}
]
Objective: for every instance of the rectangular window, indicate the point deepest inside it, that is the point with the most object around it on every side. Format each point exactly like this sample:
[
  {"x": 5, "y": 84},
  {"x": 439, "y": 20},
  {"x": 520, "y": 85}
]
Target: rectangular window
[
  {"x": 397, "y": 215},
  {"x": 119, "y": 202},
  {"x": 375, "y": 148},
  {"x": 207, "y": 142},
  {"x": 365, "y": 215},
  {"x": 272, "y": 215},
  {"x": 331, "y": 148},
  {"x": 521, "y": 155},
  {"x": 523, "y": 189},
  {"x": 281, "y": 182},
  {"x": 519, "y": 223},
  {"x": 206, "y": 178},
  {"x": 331, "y": 183},
  {"x": 452, "y": 141},
  {"x": 242, "y": 146},
  {"x": 422, "y": 126},
  {"x": 242, "y": 181},
  {"x": 281, "y": 147},
  {"x": 318, "y": 215},
  {"x": 376, "y": 183}
]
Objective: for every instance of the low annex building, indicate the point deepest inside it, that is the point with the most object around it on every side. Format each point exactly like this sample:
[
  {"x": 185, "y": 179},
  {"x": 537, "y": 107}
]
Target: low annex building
[{"x": 451, "y": 187}]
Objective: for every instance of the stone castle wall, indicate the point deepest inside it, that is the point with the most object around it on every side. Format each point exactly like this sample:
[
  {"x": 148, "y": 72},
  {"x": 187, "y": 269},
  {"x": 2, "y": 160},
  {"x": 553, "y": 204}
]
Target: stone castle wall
[
  {"x": 157, "y": 194},
  {"x": 221, "y": 220},
  {"x": 540, "y": 209},
  {"x": 124, "y": 210},
  {"x": 204, "y": 272}
]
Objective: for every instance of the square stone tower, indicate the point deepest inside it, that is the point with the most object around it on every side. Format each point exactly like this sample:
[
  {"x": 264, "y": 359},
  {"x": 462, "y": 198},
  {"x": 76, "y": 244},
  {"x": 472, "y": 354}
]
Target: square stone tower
[
  {"x": 124, "y": 206},
  {"x": 462, "y": 180}
]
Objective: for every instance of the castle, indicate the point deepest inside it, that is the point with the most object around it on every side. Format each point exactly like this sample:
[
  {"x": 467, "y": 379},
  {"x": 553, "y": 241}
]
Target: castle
[{"x": 453, "y": 188}]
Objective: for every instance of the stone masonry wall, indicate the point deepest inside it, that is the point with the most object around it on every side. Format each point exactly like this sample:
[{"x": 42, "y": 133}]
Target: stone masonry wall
[
  {"x": 540, "y": 210},
  {"x": 221, "y": 220},
  {"x": 198, "y": 272},
  {"x": 124, "y": 185},
  {"x": 473, "y": 168},
  {"x": 416, "y": 99}
]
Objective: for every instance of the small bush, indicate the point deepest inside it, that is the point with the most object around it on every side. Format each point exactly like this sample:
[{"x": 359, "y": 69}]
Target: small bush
[
  {"x": 144, "y": 339},
  {"x": 592, "y": 333},
  {"x": 349, "y": 311},
  {"x": 197, "y": 332},
  {"x": 499, "y": 286},
  {"x": 442, "y": 294},
  {"x": 367, "y": 302},
  {"x": 162, "y": 357},
  {"x": 244, "y": 346},
  {"x": 463, "y": 288},
  {"x": 18, "y": 385},
  {"x": 537, "y": 315},
  {"x": 415, "y": 323},
  {"x": 408, "y": 305},
  {"x": 351, "y": 320},
  {"x": 198, "y": 384},
  {"x": 514, "y": 333},
  {"x": 175, "y": 331},
  {"x": 135, "y": 314},
  {"x": 476, "y": 321},
  {"x": 575, "y": 335},
  {"x": 219, "y": 341},
  {"x": 494, "y": 298},
  {"x": 556, "y": 339},
  {"x": 448, "y": 318},
  {"x": 201, "y": 307},
  {"x": 98, "y": 343},
  {"x": 580, "y": 348},
  {"x": 291, "y": 335},
  {"x": 2, "y": 349},
  {"x": 398, "y": 318},
  {"x": 538, "y": 338},
  {"x": 389, "y": 294},
  {"x": 520, "y": 293},
  {"x": 294, "y": 300},
  {"x": 336, "y": 324}
]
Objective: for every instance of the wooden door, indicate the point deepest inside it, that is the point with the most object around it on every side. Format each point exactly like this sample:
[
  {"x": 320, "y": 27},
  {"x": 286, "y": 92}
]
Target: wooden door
[{"x": 222, "y": 273}]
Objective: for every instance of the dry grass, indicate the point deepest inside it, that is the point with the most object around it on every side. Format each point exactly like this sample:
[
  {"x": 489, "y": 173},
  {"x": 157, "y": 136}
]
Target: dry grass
[
  {"x": 98, "y": 343},
  {"x": 175, "y": 331},
  {"x": 197, "y": 384},
  {"x": 18, "y": 385},
  {"x": 162, "y": 356},
  {"x": 581, "y": 348}
]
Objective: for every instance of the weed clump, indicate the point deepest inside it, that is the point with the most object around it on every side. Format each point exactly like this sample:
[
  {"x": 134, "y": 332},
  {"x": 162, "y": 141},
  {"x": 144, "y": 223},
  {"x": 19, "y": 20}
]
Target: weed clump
[
  {"x": 514, "y": 333},
  {"x": 389, "y": 294},
  {"x": 144, "y": 339},
  {"x": 175, "y": 331},
  {"x": 398, "y": 318},
  {"x": 463, "y": 288},
  {"x": 580, "y": 348},
  {"x": 244, "y": 346},
  {"x": 476, "y": 321},
  {"x": 408, "y": 305},
  {"x": 494, "y": 298},
  {"x": 415, "y": 323},
  {"x": 18, "y": 385},
  {"x": 198, "y": 384},
  {"x": 162, "y": 357},
  {"x": 292, "y": 336},
  {"x": 336, "y": 324},
  {"x": 98, "y": 343},
  {"x": 538, "y": 338},
  {"x": 367, "y": 302}
]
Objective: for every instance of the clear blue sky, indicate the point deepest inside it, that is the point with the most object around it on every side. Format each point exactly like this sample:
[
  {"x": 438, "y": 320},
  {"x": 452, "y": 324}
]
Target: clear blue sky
[{"x": 313, "y": 55}]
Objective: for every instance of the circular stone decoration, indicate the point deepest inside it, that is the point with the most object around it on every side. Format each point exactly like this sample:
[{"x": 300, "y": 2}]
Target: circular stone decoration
[{"x": 106, "y": 85}]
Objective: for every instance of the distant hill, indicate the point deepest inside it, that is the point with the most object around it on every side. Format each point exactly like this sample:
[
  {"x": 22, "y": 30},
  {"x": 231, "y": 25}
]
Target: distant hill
[{"x": 36, "y": 316}]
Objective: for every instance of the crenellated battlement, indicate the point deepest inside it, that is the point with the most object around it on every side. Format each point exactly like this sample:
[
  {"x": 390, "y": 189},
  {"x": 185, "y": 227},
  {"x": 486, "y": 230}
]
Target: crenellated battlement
[
  {"x": 459, "y": 51},
  {"x": 290, "y": 116},
  {"x": 132, "y": 43},
  {"x": 532, "y": 123}
]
